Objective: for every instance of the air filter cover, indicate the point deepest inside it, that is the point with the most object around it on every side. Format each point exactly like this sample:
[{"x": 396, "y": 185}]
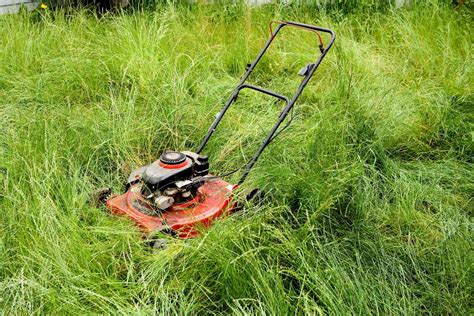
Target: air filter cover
[{"x": 172, "y": 158}]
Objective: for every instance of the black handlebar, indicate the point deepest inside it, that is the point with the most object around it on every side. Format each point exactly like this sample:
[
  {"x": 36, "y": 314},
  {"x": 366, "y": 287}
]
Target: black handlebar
[{"x": 289, "y": 102}]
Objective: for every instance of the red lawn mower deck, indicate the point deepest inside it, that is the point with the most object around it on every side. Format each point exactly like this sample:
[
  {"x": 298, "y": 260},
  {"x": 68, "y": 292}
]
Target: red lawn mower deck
[{"x": 176, "y": 194}]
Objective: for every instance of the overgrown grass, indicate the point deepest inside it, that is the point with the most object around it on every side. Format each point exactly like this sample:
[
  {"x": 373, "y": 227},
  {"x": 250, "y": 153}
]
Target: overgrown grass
[{"x": 369, "y": 193}]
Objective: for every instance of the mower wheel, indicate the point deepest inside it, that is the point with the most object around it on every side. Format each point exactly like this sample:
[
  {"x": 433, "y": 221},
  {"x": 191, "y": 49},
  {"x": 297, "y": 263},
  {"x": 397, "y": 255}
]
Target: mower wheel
[
  {"x": 161, "y": 244},
  {"x": 98, "y": 197},
  {"x": 255, "y": 195}
]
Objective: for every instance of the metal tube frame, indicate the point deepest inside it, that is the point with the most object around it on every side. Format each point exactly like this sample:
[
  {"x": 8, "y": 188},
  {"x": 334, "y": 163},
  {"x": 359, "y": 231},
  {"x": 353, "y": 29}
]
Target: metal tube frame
[{"x": 289, "y": 102}]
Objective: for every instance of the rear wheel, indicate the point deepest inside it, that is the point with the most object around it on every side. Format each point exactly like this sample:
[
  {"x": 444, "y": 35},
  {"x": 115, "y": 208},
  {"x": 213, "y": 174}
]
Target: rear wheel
[
  {"x": 255, "y": 195},
  {"x": 98, "y": 197}
]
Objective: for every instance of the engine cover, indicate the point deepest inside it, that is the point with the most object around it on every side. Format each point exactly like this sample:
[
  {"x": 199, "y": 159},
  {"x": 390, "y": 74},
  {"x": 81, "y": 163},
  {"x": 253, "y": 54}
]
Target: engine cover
[{"x": 170, "y": 168}]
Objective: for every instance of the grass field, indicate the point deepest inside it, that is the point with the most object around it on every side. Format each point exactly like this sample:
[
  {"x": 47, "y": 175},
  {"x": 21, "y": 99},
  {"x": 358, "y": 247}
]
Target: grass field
[{"x": 369, "y": 193}]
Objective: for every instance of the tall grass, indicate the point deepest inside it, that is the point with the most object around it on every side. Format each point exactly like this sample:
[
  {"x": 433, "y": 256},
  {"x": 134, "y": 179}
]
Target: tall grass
[{"x": 369, "y": 193}]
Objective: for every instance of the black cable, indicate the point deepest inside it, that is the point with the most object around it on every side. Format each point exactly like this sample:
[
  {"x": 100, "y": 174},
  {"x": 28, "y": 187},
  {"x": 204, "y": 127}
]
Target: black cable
[
  {"x": 284, "y": 127},
  {"x": 274, "y": 136},
  {"x": 226, "y": 174},
  {"x": 233, "y": 171},
  {"x": 199, "y": 179}
]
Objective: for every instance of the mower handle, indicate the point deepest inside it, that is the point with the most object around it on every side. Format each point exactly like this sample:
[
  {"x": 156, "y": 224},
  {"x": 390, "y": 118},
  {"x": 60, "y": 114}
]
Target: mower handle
[
  {"x": 289, "y": 102},
  {"x": 305, "y": 26},
  {"x": 262, "y": 90}
]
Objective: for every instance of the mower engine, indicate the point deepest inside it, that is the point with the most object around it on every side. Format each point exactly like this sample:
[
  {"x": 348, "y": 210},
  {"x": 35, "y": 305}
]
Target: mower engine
[
  {"x": 174, "y": 194},
  {"x": 174, "y": 178}
]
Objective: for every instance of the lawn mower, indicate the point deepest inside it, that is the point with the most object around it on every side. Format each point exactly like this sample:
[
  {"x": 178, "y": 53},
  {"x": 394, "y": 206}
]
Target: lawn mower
[{"x": 176, "y": 194}]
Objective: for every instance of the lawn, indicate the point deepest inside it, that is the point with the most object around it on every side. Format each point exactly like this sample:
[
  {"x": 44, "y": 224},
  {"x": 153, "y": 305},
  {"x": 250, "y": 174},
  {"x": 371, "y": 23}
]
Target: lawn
[{"x": 368, "y": 194}]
